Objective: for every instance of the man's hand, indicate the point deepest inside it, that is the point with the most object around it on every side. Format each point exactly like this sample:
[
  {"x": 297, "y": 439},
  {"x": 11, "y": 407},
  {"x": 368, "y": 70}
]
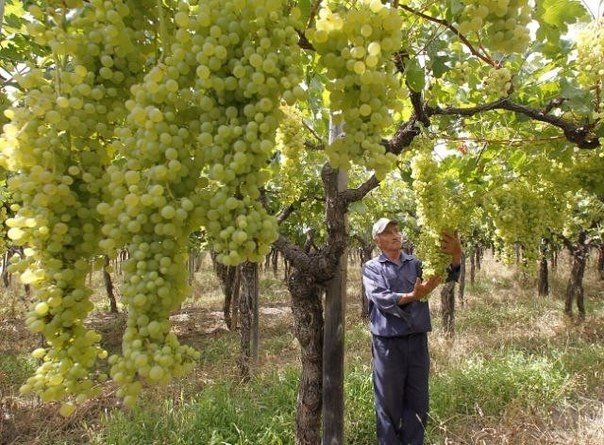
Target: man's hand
[
  {"x": 420, "y": 290},
  {"x": 450, "y": 244}
]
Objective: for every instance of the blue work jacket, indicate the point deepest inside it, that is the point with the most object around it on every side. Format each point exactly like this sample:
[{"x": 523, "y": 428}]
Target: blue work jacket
[{"x": 384, "y": 282}]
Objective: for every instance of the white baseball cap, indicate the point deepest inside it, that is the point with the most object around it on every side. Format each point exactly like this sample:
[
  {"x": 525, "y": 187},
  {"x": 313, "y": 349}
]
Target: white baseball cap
[{"x": 380, "y": 225}]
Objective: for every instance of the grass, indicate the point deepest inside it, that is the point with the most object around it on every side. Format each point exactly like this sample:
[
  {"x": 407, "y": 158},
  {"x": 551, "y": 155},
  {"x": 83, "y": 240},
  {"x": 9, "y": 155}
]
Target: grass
[{"x": 517, "y": 372}]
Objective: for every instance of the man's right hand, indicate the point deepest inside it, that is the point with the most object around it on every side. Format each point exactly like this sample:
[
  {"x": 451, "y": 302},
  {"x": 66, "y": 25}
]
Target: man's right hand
[{"x": 420, "y": 290}]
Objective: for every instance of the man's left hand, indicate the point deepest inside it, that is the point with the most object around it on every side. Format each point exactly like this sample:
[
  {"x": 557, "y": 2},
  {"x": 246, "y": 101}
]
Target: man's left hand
[{"x": 450, "y": 244}]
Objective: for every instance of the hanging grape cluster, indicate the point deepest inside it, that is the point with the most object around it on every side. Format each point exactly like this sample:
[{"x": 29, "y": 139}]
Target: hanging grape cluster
[
  {"x": 290, "y": 142},
  {"x": 523, "y": 214},
  {"x": 498, "y": 82},
  {"x": 439, "y": 210},
  {"x": 56, "y": 147},
  {"x": 590, "y": 59},
  {"x": 355, "y": 47},
  {"x": 500, "y": 24},
  {"x": 198, "y": 138}
]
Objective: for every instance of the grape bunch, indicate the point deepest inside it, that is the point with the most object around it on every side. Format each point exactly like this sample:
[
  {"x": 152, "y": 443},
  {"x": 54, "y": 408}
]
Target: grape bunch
[
  {"x": 290, "y": 142},
  {"x": 501, "y": 25},
  {"x": 590, "y": 55},
  {"x": 523, "y": 214},
  {"x": 438, "y": 209},
  {"x": 56, "y": 146},
  {"x": 196, "y": 144},
  {"x": 498, "y": 82},
  {"x": 355, "y": 48}
]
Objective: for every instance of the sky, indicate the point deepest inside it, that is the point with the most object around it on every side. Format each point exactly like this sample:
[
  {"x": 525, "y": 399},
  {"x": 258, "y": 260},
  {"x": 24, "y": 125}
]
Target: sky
[{"x": 596, "y": 6}]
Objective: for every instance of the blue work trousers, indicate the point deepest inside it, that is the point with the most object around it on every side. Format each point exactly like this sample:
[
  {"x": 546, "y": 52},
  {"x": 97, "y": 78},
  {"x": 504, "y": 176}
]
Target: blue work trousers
[{"x": 400, "y": 380}]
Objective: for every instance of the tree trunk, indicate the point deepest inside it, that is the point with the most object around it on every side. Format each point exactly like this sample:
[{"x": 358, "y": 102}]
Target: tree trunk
[
  {"x": 229, "y": 277},
  {"x": 447, "y": 304},
  {"x": 275, "y": 261},
  {"x": 109, "y": 285},
  {"x": 191, "y": 267},
  {"x": 473, "y": 265},
  {"x": 248, "y": 310},
  {"x": 333, "y": 357},
  {"x": 5, "y": 273},
  {"x": 366, "y": 251},
  {"x": 574, "y": 289},
  {"x": 543, "y": 277},
  {"x": 601, "y": 261},
  {"x": 479, "y": 255},
  {"x": 462, "y": 280},
  {"x": 308, "y": 329}
]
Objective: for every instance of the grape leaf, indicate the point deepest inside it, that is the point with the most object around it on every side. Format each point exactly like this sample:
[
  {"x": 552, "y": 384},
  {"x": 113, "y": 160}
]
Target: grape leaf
[
  {"x": 415, "y": 76},
  {"x": 561, "y": 13}
]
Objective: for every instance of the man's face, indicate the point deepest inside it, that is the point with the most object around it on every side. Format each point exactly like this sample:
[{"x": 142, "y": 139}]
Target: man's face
[{"x": 390, "y": 239}]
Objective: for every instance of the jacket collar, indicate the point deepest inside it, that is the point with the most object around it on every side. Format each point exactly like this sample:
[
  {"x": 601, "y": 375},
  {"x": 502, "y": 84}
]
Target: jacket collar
[{"x": 404, "y": 257}]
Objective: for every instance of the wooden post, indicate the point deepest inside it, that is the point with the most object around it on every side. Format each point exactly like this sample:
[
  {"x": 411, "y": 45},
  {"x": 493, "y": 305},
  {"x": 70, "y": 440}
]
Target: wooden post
[{"x": 333, "y": 339}]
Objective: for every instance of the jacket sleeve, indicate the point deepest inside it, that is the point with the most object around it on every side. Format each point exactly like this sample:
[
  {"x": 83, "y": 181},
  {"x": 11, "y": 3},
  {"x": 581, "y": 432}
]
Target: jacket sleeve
[{"x": 378, "y": 291}]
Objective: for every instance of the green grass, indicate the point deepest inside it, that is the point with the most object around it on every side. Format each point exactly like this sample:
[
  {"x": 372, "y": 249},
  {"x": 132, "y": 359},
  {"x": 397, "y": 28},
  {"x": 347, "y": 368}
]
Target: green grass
[
  {"x": 489, "y": 385},
  {"x": 15, "y": 369},
  {"x": 516, "y": 367},
  {"x": 224, "y": 413}
]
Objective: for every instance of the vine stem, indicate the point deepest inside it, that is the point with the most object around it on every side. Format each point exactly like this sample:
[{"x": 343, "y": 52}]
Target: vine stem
[{"x": 484, "y": 57}]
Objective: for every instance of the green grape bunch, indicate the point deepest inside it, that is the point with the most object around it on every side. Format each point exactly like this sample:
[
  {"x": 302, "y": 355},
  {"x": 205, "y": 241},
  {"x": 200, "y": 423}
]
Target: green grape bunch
[
  {"x": 590, "y": 60},
  {"x": 196, "y": 144},
  {"x": 355, "y": 48},
  {"x": 500, "y": 25},
  {"x": 498, "y": 82},
  {"x": 523, "y": 215},
  {"x": 56, "y": 146},
  {"x": 438, "y": 211}
]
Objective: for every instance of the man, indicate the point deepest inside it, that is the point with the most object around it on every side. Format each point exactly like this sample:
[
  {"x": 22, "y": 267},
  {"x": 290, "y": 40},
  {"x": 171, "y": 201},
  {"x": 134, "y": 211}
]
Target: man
[{"x": 399, "y": 323}]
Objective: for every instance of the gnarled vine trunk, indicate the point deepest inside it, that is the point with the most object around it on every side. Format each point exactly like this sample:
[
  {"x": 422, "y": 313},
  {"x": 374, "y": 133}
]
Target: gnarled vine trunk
[
  {"x": 447, "y": 305},
  {"x": 543, "y": 277},
  {"x": 472, "y": 265},
  {"x": 248, "y": 310},
  {"x": 462, "y": 280},
  {"x": 574, "y": 289},
  {"x": 109, "y": 285},
  {"x": 307, "y": 310},
  {"x": 229, "y": 277},
  {"x": 601, "y": 261}
]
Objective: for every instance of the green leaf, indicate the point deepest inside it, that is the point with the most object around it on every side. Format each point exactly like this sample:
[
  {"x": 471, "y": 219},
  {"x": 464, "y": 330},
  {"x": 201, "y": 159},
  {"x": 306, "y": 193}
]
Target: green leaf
[
  {"x": 454, "y": 7},
  {"x": 414, "y": 74},
  {"x": 517, "y": 159},
  {"x": 439, "y": 66},
  {"x": 561, "y": 13},
  {"x": 304, "y": 6}
]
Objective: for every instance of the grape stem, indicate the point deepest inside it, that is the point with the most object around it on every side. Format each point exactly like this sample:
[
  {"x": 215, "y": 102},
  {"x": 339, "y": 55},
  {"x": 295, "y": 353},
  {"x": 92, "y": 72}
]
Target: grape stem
[{"x": 484, "y": 57}]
